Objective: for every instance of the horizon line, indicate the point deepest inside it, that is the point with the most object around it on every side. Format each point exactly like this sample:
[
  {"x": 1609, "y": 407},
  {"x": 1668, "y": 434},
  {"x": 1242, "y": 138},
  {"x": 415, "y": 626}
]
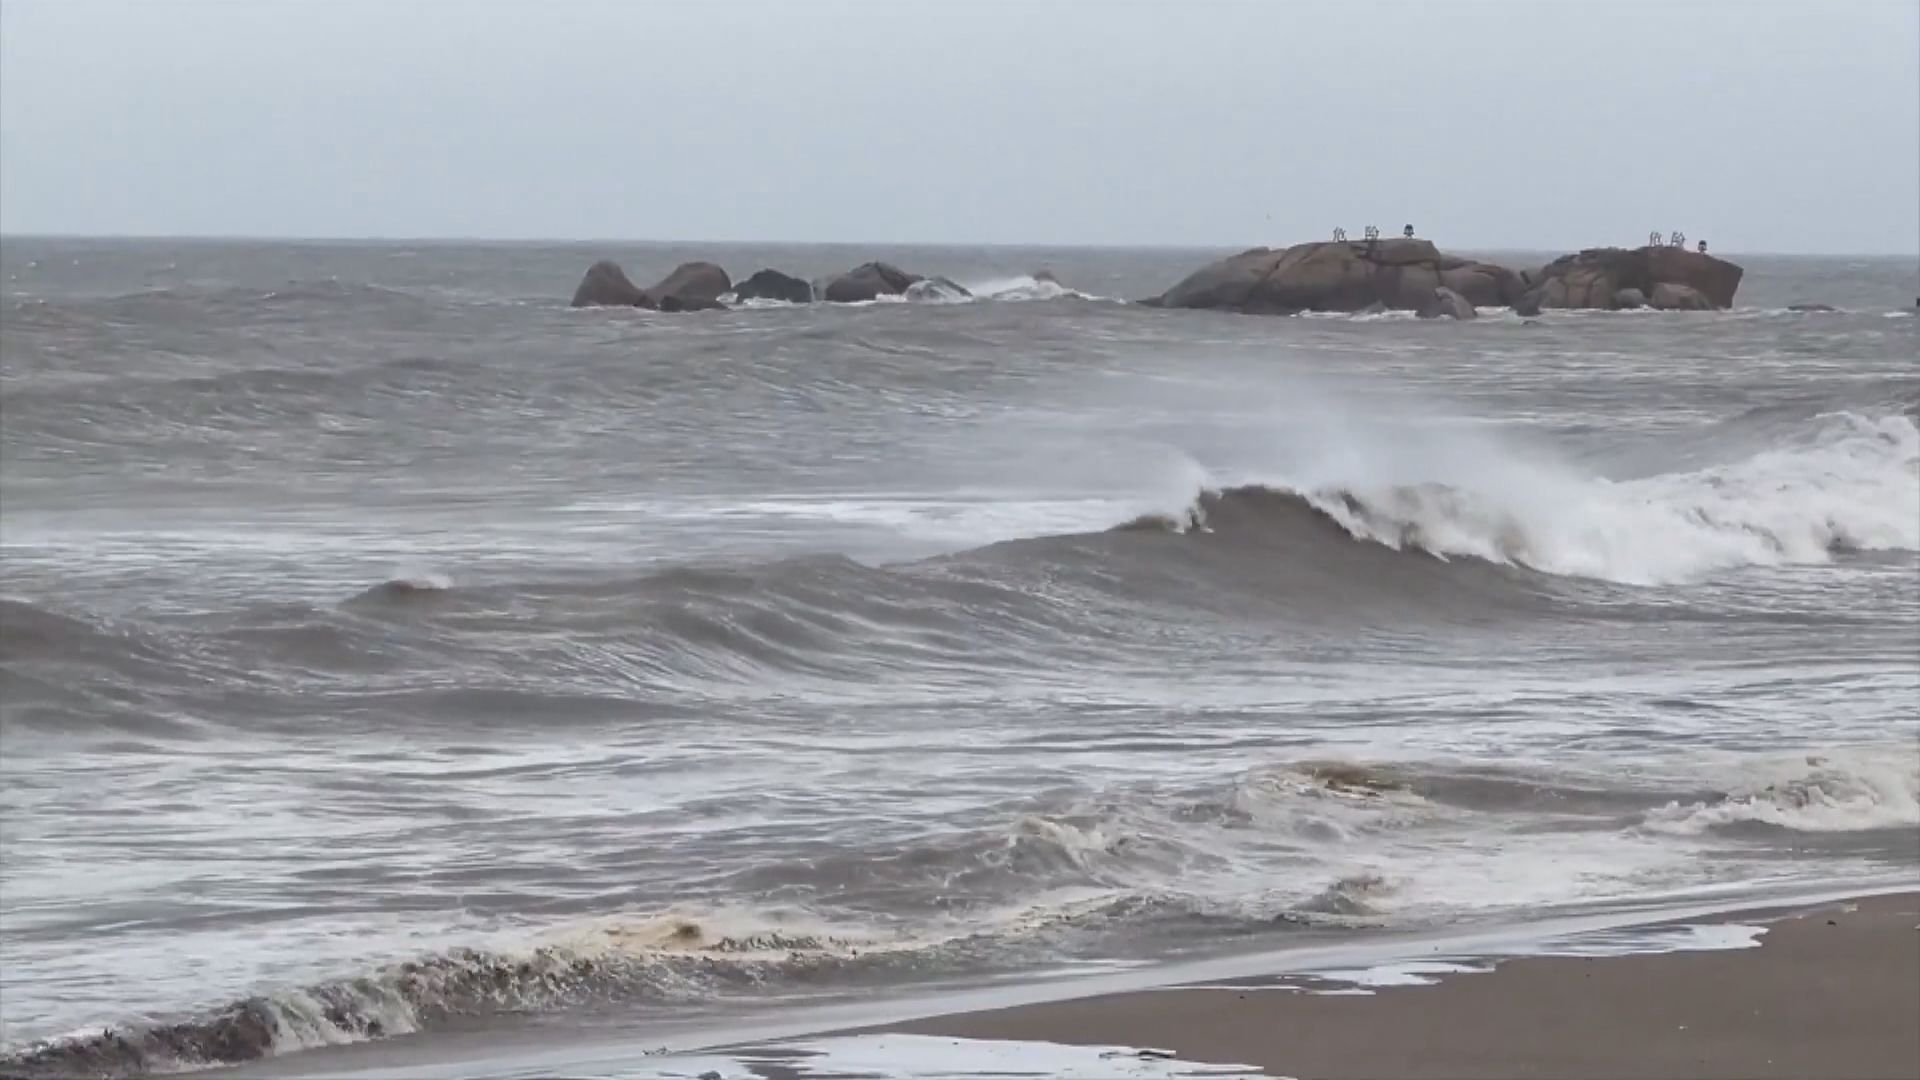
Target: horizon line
[{"x": 1025, "y": 244}]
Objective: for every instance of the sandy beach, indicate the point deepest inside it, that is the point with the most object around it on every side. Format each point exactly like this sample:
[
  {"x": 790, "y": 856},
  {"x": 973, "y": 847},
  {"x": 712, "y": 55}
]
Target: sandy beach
[{"x": 1832, "y": 991}]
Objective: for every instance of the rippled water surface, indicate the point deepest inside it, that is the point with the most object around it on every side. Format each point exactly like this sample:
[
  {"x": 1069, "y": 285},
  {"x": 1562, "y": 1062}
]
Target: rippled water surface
[{"x": 387, "y": 648}]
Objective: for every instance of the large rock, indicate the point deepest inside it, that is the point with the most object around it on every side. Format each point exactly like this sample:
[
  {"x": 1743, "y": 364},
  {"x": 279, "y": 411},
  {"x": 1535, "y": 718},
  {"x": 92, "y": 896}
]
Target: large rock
[
  {"x": 1716, "y": 279},
  {"x": 866, "y": 281},
  {"x": 774, "y": 285},
  {"x": 694, "y": 286},
  {"x": 1341, "y": 276},
  {"x": 607, "y": 285},
  {"x": 1628, "y": 299},
  {"x": 1447, "y": 304},
  {"x": 1596, "y": 277},
  {"x": 1581, "y": 287},
  {"x": 1670, "y": 297}
]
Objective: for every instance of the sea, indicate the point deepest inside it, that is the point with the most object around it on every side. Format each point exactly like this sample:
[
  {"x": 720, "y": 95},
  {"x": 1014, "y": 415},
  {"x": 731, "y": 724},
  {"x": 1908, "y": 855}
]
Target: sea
[{"x": 390, "y": 653}]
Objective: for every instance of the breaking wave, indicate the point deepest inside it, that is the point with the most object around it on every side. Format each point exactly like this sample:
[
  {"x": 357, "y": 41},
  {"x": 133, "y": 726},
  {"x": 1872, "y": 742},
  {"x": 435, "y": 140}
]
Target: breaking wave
[
  {"x": 1817, "y": 794},
  {"x": 1042, "y": 286},
  {"x": 666, "y": 958},
  {"x": 1851, "y": 483},
  {"x": 1316, "y": 555},
  {"x": 1127, "y": 860},
  {"x": 1089, "y": 865}
]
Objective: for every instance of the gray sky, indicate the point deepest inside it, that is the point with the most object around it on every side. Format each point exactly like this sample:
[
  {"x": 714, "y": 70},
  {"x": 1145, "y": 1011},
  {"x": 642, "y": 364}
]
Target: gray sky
[{"x": 1755, "y": 124}]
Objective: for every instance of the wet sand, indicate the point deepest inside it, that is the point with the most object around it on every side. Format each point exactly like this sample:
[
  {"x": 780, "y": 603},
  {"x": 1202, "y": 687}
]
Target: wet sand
[{"x": 1832, "y": 991}]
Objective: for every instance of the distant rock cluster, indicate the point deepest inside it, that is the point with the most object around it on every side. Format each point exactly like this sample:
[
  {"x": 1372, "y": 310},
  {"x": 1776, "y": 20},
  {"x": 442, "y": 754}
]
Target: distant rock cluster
[
  {"x": 1346, "y": 275},
  {"x": 1413, "y": 275},
  {"x": 1373, "y": 274},
  {"x": 703, "y": 286},
  {"x": 1611, "y": 279}
]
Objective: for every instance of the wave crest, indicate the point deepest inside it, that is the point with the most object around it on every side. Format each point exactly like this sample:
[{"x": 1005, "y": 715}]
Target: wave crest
[
  {"x": 1851, "y": 483},
  {"x": 1819, "y": 794}
]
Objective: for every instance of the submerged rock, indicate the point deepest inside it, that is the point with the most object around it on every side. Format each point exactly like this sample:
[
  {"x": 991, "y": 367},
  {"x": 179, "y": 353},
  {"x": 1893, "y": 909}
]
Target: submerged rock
[{"x": 674, "y": 304}]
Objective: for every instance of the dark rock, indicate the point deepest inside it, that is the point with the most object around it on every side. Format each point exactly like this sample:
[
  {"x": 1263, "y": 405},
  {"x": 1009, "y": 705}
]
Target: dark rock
[
  {"x": 1341, "y": 276},
  {"x": 866, "y": 281},
  {"x": 1593, "y": 278},
  {"x": 693, "y": 286},
  {"x": 1483, "y": 284},
  {"x": 1716, "y": 279},
  {"x": 1670, "y": 297},
  {"x": 1580, "y": 287},
  {"x": 1447, "y": 304},
  {"x": 1529, "y": 304},
  {"x": 607, "y": 285},
  {"x": 774, "y": 285},
  {"x": 937, "y": 290},
  {"x": 1811, "y": 307},
  {"x": 1628, "y": 299}
]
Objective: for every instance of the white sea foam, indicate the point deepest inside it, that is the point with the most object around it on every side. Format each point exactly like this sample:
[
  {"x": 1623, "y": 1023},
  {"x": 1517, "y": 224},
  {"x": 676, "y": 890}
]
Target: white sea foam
[
  {"x": 926, "y": 1057},
  {"x": 1026, "y": 287},
  {"x": 1842, "y": 792},
  {"x": 1648, "y": 940},
  {"x": 1852, "y": 482}
]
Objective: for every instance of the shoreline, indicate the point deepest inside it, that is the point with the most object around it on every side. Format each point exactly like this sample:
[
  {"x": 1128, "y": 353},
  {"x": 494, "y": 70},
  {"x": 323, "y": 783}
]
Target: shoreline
[
  {"x": 1832, "y": 989},
  {"x": 1169, "y": 1007}
]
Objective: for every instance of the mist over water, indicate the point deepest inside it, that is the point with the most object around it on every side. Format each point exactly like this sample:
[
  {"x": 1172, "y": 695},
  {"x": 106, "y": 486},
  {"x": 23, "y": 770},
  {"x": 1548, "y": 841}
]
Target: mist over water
[{"x": 387, "y": 648}]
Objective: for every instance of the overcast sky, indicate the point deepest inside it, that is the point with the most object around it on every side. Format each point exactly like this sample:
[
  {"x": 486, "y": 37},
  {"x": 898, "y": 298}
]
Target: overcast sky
[{"x": 1758, "y": 125}]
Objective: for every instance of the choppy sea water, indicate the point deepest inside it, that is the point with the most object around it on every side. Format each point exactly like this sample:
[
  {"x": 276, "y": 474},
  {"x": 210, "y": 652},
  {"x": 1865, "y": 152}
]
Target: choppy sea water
[{"x": 387, "y": 649}]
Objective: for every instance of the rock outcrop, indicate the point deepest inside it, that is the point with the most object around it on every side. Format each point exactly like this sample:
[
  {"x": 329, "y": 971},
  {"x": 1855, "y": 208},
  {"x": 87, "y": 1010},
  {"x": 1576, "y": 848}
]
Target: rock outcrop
[
  {"x": 774, "y": 285},
  {"x": 1595, "y": 278},
  {"x": 867, "y": 281},
  {"x": 1628, "y": 299},
  {"x": 694, "y": 286},
  {"x": 606, "y": 285},
  {"x": 1670, "y": 297},
  {"x": 1341, "y": 276},
  {"x": 1447, "y": 304}
]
